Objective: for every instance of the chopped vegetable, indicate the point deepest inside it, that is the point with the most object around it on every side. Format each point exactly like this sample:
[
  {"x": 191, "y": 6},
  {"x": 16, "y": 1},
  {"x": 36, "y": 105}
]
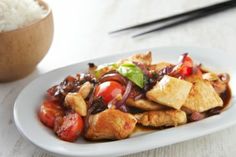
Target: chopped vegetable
[
  {"x": 69, "y": 127},
  {"x": 133, "y": 73},
  {"x": 48, "y": 112},
  {"x": 185, "y": 66},
  {"x": 113, "y": 77},
  {"x": 121, "y": 104},
  {"x": 109, "y": 90}
]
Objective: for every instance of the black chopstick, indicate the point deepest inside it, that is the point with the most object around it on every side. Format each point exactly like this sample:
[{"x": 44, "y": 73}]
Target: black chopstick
[
  {"x": 188, "y": 19},
  {"x": 226, "y": 3}
]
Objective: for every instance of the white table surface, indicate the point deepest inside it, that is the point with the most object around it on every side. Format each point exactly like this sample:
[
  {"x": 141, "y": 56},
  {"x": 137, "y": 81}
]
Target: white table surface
[{"x": 81, "y": 29}]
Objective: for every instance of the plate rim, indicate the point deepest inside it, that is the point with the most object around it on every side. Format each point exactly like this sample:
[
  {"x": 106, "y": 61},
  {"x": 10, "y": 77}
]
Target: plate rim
[{"x": 218, "y": 128}]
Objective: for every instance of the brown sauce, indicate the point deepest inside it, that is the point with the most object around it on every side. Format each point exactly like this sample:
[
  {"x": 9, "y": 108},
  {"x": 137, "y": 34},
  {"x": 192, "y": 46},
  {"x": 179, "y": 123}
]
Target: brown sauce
[
  {"x": 141, "y": 128},
  {"x": 226, "y": 97}
]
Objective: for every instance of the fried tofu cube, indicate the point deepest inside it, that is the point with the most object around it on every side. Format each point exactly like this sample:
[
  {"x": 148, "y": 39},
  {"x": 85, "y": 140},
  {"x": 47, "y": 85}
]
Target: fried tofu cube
[
  {"x": 170, "y": 91},
  {"x": 77, "y": 103},
  {"x": 202, "y": 97},
  {"x": 144, "y": 104},
  {"x": 161, "y": 118}
]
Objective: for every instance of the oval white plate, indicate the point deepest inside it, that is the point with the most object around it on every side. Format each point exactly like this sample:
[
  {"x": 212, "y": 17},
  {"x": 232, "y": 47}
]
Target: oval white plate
[{"x": 27, "y": 104}]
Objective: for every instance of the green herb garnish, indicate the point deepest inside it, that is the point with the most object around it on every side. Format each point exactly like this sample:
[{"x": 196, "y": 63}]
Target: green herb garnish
[{"x": 133, "y": 73}]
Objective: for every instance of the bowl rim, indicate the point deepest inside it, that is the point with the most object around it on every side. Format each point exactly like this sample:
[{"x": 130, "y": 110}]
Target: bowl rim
[{"x": 41, "y": 3}]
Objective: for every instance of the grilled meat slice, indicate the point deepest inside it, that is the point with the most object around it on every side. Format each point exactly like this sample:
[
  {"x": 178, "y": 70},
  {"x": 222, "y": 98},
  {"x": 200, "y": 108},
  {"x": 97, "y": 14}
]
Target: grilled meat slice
[
  {"x": 161, "y": 118},
  {"x": 144, "y": 58},
  {"x": 145, "y": 104},
  {"x": 110, "y": 124}
]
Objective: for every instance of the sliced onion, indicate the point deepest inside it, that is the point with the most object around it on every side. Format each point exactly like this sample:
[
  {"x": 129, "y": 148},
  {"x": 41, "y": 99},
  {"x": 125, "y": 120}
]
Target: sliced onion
[
  {"x": 124, "y": 108},
  {"x": 143, "y": 68},
  {"x": 139, "y": 96},
  {"x": 113, "y": 77},
  {"x": 169, "y": 70},
  {"x": 125, "y": 95}
]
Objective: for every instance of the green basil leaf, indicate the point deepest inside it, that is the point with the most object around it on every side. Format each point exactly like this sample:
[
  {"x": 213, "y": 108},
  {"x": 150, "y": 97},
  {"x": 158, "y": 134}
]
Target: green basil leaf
[{"x": 133, "y": 73}]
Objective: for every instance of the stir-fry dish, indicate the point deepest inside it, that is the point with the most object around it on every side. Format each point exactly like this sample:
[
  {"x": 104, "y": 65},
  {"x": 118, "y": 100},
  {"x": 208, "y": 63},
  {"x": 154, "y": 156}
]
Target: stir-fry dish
[{"x": 109, "y": 101}]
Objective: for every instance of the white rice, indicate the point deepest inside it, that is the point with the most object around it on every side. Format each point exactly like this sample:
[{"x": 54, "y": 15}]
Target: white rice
[{"x": 18, "y": 13}]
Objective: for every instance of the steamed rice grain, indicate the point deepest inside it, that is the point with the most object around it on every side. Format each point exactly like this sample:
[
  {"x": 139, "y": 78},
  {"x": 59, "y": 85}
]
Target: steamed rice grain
[{"x": 18, "y": 13}]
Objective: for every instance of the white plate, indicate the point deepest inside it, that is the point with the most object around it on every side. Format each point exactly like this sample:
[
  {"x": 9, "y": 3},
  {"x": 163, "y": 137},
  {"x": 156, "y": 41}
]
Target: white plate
[{"x": 27, "y": 104}]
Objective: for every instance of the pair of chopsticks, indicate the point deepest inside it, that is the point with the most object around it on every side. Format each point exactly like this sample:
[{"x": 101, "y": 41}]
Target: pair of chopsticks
[{"x": 181, "y": 18}]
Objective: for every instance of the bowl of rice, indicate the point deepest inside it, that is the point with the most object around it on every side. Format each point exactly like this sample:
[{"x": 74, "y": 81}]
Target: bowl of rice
[{"x": 26, "y": 33}]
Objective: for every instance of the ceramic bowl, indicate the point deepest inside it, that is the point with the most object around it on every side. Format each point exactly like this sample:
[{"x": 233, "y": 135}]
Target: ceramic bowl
[{"x": 22, "y": 49}]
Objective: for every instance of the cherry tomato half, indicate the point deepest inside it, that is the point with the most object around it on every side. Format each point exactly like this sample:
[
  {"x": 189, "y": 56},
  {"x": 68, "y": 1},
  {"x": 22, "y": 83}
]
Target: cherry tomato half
[
  {"x": 109, "y": 90},
  {"x": 48, "y": 112},
  {"x": 69, "y": 127}
]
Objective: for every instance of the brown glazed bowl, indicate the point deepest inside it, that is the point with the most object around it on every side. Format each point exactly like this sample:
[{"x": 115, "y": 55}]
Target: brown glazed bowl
[{"x": 22, "y": 49}]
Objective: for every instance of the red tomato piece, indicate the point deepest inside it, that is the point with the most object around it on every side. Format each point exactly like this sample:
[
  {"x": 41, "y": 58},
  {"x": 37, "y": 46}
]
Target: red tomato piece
[
  {"x": 185, "y": 71},
  {"x": 48, "y": 112},
  {"x": 186, "y": 60},
  {"x": 186, "y": 67},
  {"x": 109, "y": 90},
  {"x": 69, "y": 127}
]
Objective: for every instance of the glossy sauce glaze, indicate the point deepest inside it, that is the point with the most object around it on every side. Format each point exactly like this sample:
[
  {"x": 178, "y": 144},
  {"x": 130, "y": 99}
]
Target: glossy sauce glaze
[{"x": 226, "y": 97}]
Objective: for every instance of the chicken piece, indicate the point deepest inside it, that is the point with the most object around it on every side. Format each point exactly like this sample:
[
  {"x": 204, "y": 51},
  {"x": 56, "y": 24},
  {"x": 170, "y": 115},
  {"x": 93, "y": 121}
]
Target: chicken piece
[
  {"x": 159, "y": 66},
  {"x": 77, "y": 103},
  {"x": 161, "y": 118},
  {"x": 145, "y": 58},
  {"x": 144, "y": 104},
  {"x": 110, "y": 124},
  {"x": 202, "y": 97},
  {"x": 170, "y": 91},
  {"x": 85, "y": 89}
]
